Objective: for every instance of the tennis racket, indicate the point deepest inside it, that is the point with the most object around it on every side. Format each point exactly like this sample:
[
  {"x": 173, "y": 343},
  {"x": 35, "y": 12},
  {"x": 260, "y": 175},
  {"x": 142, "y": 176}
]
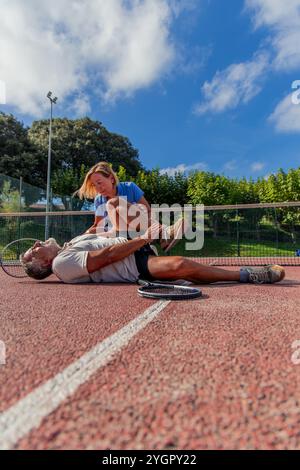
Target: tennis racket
[
  {"x": 159, "y": 290},
  {"x": 10, "y": 256}
]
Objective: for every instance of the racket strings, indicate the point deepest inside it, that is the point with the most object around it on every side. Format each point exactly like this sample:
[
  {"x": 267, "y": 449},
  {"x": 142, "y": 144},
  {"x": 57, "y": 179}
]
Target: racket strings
[
  {"x": 169, "y": 292},
  {"x": 10, "y": 257},
  {"x": 166, "y": 290}
]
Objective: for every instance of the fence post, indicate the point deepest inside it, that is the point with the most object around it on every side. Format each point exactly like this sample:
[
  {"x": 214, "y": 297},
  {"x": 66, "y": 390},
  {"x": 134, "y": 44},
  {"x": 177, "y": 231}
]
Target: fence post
[
  {"x": 20, "y": 193},
  {"x": 238, "y": 234},
  {"x": 20, "y": 203},
  {"x": 276, "y": 224}
]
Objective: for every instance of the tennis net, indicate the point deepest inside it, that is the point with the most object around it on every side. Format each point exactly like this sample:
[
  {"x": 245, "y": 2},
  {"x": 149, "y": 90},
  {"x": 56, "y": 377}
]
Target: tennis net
[
  {"x": 249, "y": 234},
  {"x": 252, "y": 234}
]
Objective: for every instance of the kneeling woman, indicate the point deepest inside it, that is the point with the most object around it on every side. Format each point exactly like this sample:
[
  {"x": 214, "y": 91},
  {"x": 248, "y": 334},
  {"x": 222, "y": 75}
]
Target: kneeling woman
[{"x": 102, "y": 184}]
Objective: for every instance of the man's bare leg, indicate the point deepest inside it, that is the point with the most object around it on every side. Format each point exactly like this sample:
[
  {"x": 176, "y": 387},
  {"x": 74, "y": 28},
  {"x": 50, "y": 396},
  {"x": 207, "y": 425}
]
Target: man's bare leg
[
  {"x": 121, "y": 220},
  {"x": 178, "y": 267},
  {"x": 123, "y": 215}
]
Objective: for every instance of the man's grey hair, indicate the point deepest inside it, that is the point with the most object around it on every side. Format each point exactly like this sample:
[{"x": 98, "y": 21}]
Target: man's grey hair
[{"x": 34, "y": 269}]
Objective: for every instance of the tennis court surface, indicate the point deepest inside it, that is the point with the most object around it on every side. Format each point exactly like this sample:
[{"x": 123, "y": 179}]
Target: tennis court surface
[
  {"x": 214, "y": 373},
  {"x": 97, "y": 367}
]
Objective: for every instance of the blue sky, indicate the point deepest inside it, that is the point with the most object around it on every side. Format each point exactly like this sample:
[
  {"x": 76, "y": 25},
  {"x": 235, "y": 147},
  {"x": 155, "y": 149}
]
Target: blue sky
[{"x": 192, "y": 83}]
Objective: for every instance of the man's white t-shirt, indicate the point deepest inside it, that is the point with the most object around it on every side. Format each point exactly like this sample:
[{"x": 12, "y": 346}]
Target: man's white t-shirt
[{"x": 70, "y": 263}]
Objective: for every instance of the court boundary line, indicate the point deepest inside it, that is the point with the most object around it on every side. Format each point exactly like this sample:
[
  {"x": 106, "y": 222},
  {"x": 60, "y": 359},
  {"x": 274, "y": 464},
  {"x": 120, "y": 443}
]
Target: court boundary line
[{"x": 28, "y": 413}]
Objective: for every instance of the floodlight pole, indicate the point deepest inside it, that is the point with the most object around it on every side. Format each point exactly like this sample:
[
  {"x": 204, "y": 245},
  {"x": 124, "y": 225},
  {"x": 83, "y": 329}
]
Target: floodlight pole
[{"x": 52, "y": 101}]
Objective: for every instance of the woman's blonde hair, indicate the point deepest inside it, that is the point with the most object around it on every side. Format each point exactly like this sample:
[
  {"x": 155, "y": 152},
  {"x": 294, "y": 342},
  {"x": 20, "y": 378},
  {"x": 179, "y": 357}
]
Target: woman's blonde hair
[{"x": 87, "y": 190}]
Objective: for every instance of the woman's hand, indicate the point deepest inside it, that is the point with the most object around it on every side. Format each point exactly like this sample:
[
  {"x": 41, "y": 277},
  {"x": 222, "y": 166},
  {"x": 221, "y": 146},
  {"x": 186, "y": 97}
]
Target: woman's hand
[{"x": 152, "y": 232}]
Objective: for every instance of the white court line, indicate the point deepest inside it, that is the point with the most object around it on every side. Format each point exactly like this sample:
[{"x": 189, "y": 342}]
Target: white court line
[{"x": 29, "y": 412}]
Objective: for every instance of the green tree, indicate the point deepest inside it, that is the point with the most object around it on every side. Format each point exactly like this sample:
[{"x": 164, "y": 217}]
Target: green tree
[
  {"x": 293, "y": 184},
  {"x": 9, "y": 198},
  {"x": 209, "y": 189},
  {"x": 283, "y": 187},
  {"x": 162, "y": 188},
  {"x": 243, "y": 191},
  {"x": 122, "y": 174},
  {"x": 83, "y": 142},
  {"x": 179, "y": 188},
  {"x": 274, "y": 188},
  {"x": 65, "y": 182},
  {"x": 18, "y": 156}
]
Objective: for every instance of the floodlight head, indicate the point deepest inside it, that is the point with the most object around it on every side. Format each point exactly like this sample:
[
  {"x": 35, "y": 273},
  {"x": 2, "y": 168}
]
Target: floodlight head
[
  {"x": 54, "y": 99},
  {"x": 49, "y": 94}
]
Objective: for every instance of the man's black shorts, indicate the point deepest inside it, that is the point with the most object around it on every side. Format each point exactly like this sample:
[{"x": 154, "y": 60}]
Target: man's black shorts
[{"x": 141, "y": 259}]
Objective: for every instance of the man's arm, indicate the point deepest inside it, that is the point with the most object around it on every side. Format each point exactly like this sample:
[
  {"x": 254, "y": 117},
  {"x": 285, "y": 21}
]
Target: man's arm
[
  {"x": 111, "y": 254},
  {"x": 144, "y": 201},
  {"x": 93, "y": 228}
]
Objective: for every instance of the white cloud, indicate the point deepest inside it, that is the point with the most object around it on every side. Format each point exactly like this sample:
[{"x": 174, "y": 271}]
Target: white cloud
[
  {"x": 283, "y": 20},
  {"x": 183, "y": 168},
  {"x": 286, "y": 116},
  {"x": 115, "y": 47},
  {"x": 178, "y": 6},
  {"x": 281, "y": 52},
  {"x": 239, "y": 83},
  {"x": 81, "y": 105},
  {"x": 2, "y": 92},
  {"x": 192, "y": 59},
  {"x": 257, "y": 166},
  {"x": 231, "y": 165}
]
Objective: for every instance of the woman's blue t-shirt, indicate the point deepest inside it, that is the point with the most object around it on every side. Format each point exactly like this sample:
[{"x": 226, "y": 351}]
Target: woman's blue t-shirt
[{"x": 127, "y": 190}]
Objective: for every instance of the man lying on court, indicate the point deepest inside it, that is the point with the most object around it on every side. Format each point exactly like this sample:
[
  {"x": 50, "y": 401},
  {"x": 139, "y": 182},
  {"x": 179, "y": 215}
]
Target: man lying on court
[{"x": 90, "y": 258}]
